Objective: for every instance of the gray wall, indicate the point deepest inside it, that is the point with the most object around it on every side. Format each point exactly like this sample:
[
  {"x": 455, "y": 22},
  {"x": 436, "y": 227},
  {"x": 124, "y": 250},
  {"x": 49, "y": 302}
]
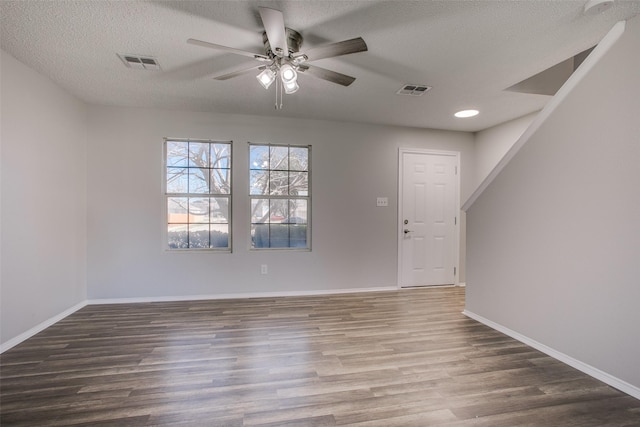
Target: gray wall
[
  {"x": 493, "y": 143},
  {"x": 354, "y": 242},
  {"x": 553, "y": 244},
  {"x": 43, "y": 177}
]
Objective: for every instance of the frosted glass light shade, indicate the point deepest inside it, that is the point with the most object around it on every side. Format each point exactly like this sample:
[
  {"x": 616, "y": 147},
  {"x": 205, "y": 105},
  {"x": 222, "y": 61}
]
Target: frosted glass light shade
[
  {"x": 266, "y": 77},
  {"x": 291, "y": 87}
]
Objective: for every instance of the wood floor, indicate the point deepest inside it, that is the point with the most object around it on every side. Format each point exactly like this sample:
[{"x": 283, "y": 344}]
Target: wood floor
[{"x": 405, "y": 358}]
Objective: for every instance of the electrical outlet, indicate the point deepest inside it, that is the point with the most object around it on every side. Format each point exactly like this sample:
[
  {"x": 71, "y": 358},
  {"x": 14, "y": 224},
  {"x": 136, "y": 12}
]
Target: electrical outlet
[
  {"x": 264, "y": 269},
  {"x": 382, "y": 202}
]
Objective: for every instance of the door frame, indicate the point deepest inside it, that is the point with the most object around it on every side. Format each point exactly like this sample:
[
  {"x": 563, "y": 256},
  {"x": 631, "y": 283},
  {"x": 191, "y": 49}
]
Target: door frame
[{"x": 400, "y": 226}]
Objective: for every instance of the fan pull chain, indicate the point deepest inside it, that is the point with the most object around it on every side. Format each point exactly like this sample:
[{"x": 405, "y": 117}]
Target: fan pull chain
[{"x": 278, "y": 88}]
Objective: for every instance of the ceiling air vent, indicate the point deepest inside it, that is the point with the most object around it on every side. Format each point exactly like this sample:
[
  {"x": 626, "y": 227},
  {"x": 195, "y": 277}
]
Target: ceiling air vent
[
  {"x": 140, "y": 62},
  {"x": 413, "y": 90}
]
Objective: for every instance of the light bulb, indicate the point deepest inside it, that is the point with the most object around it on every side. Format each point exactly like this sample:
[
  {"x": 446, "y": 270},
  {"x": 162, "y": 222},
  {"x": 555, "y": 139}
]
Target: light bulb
[{"x": 288, "y": 74}]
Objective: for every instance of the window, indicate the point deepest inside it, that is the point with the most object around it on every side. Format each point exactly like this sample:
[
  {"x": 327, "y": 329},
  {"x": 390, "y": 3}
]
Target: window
[
  {"x": 198, "y": 193},
  {"x": 279, "y": 188}
]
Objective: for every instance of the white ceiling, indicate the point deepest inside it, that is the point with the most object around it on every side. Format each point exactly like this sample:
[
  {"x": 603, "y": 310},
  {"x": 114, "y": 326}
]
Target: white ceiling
[{"x": 469, "y": 51}]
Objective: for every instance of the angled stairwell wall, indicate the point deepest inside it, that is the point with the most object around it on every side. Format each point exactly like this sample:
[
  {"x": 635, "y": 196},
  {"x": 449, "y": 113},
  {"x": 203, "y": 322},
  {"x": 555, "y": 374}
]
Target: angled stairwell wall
[{"x": 553, "y": 233}]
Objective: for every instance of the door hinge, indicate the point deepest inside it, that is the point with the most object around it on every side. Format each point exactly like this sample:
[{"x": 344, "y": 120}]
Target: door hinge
[
  {"x": 454, "y": 271},
  {"x": 455, "y": 220},
  {"x": 456, "y": 170}
]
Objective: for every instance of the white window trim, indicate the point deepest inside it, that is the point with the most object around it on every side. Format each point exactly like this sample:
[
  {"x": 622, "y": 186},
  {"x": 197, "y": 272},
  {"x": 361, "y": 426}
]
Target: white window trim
[
  {"x": 283, "y": 197},
  {"x": 165, "y": 214}
]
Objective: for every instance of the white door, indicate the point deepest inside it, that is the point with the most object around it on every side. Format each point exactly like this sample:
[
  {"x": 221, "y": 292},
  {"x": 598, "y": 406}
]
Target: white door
[{"x": 428, "y": 219}]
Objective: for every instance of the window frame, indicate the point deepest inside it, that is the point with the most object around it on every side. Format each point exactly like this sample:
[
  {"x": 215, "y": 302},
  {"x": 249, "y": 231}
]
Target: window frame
[
  {"x": 307, "y": 198},
  {"x": 166, "y": 196}
]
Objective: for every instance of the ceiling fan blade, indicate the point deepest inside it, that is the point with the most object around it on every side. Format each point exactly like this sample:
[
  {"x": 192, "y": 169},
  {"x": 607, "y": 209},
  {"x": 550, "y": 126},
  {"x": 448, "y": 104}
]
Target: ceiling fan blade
[
  {"x": 273, "y": 22},
  {"x": 229, "y": 74},
  {"x": 324, "y": 74},
  {"x": 257, "y": 56},
  {"x": 344, "y": 47}
]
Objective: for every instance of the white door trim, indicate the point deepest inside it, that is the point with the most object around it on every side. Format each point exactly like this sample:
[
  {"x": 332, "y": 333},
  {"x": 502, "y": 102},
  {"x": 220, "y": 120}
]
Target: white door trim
[{"x": 399, "y": 228}]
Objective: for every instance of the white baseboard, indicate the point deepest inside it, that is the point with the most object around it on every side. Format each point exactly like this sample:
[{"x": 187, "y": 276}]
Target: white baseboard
[
  {"x": 606, "y": 378},
  {"x": 39, "y": 328},
  {"x": 238, "y": 295},
  {"x": 462, "y": 284}
]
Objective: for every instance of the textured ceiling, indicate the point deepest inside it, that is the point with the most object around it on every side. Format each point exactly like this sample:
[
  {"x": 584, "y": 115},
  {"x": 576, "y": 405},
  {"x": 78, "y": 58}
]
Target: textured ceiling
[{"x": 468, "y": 51}]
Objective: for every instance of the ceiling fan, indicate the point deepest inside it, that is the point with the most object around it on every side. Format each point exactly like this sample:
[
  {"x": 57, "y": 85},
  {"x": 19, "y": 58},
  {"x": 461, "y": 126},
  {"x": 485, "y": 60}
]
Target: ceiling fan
[{"x": 283, "y": 57}]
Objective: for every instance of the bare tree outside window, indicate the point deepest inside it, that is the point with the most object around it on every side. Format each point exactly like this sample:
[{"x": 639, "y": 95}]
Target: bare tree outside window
[
  {"x": 198, "y": 191},
  {"x": 280, "y": 196}
]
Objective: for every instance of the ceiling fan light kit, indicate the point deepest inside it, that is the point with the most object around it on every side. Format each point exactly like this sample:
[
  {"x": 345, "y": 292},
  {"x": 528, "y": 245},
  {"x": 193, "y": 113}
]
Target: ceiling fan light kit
[{"x": 283, "y": 56}]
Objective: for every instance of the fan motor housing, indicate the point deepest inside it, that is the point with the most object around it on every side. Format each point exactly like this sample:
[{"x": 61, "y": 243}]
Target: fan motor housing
[{"x": 294, "y": 42}]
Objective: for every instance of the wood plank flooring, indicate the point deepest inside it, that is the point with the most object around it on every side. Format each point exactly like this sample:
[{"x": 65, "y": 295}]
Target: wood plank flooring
[{"x": 406, "y": 358}]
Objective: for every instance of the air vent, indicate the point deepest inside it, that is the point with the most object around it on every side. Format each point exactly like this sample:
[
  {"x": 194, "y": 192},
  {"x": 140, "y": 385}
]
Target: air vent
[
  {"x": 140, "y": 62},
  {"x": 413, "y": 90}
]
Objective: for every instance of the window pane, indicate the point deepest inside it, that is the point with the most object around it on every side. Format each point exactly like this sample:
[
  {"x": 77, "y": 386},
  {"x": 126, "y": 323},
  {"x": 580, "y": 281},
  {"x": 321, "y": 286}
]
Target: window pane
[
  {"x": 177, "y": 234},
  {"x": 298, "y": 158},
  {"x": 298, "y": 236},
  {"x": 219, "y": 208},
  {"x": 198, "y": 181},
  {"x": 279, "y": 158},
  {"x": 297, "y": 211},
  {"x": 259, "y": 211},
  {"x": 258, "y": 157},
  {"x": 177, "y": 210},
  {"x": 198, "y": 236},
  {"x": 278, "y": 210},
  {"x": 219, "y": 235},
  {"x": 279, "y": 236},
  {"x": 260, "y": 235},
  {"x": 199, "y": 154},
  {"x": 199, "y": 209},
  {"x": 259, "y": 182},
  {"x": 177, "y": 153},
  {"x": 177, "y": 180},
  {"x": 299, "y": 183},
  {"x": 221, "y": 156},
  {"x": 279, "y": 183},
  {"x": 220, "y": 181}
]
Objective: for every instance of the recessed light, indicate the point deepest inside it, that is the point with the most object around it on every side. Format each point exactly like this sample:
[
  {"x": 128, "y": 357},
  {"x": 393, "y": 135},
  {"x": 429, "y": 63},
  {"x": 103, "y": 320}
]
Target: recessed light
[{"x": 466, "y": 113}]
